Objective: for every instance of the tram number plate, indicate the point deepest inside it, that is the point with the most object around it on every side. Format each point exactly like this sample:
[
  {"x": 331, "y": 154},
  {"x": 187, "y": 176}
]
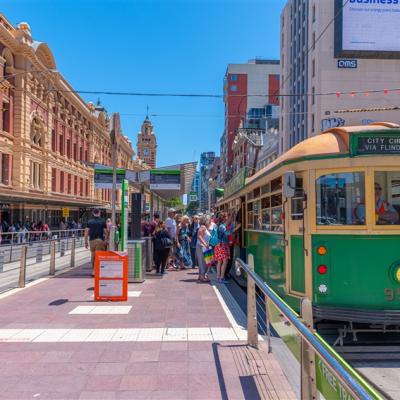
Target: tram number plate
[{"x": 392, "y": 294}]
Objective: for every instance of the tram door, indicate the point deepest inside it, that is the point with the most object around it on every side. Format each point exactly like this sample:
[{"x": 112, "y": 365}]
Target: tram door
[{"x": 294, "y": 236}]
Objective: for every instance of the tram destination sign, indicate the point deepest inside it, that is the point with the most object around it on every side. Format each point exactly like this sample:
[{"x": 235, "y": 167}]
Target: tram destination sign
[{"x": 385, "y": 144}]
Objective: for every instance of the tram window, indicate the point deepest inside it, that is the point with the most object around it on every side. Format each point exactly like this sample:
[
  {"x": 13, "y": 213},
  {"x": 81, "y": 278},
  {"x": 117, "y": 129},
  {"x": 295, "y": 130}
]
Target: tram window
[
  {"x": 265, "y": 189},
  {"x": 276, "y": 219},
  {"x": 250, "y": 220},
  {"x": 256, "y": 215},
  {"x": 266, "y": 219},
  {"x": 265, "y": 202},
  {"x": 276, "y": 184},
  {"x": 250, "y": 196},
  {"x": 297, "y": 201},
  {"x": 250, "y": 215},
  {"x": 276, "y": 200},
  {"x": 341, "y": 199},
  {"x": 256, "y": 192},
  {"x": 387, "y": 197}
]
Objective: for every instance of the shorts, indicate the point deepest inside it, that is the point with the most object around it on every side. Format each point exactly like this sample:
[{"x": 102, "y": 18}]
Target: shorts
[{"x": 221, "y": 252}]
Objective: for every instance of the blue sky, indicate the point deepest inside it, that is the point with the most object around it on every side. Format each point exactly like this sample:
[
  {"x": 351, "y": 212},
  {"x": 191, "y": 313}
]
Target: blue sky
[{"x": 155, "y": 46}]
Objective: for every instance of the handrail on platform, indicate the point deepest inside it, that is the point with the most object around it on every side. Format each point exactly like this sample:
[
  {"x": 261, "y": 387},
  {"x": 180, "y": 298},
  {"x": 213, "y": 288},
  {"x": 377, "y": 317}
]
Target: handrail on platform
[{"x": 311, "y": 343}]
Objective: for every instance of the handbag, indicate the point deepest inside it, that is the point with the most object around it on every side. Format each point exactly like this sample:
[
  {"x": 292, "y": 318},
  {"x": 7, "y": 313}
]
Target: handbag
[
  {"x": 166, "y": 242},
  {"x": 208, "y": 255}
]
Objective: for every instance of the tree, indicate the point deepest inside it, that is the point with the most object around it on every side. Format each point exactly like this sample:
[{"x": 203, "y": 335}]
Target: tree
[{"x": 174, "y": 202}]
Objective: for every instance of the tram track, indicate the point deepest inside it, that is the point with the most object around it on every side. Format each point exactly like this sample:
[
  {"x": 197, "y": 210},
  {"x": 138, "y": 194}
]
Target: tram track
[{"x": 375, "y": 356}]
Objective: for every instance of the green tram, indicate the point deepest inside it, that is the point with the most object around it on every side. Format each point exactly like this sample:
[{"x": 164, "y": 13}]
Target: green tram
[{"x": 323, "y": 222}]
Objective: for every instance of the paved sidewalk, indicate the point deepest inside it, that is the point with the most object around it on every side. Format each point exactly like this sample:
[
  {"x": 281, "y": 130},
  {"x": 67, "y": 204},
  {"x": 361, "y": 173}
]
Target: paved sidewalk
[{"x": 173, "y": 339}]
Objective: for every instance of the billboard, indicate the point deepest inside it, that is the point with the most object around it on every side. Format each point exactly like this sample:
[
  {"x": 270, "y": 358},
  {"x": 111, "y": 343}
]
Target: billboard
[
  {"x": 367, "y": 29},
  {"x": 164, "y": 179}
]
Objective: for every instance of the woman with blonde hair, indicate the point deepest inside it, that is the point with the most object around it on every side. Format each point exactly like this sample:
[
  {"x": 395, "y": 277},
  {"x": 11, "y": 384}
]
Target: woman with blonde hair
[{"x": 183, "y": 243}]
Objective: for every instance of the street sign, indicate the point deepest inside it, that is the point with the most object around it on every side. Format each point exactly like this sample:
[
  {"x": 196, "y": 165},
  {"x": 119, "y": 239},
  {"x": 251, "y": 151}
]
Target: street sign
[
  {"x": 192, "y": 196},
  {"x": 164, "y": 179},
  {"x": 65, "y": 212},
  {"x": 111, "y": 276},
  {"x": 103, "y": 177}
]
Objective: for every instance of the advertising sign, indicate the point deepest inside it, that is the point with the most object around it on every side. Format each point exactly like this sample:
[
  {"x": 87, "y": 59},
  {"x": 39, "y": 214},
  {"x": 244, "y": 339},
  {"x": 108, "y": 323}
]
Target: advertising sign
[
  {"x": 347, "y": 64},
  {"x": 103, "y": 177},
  {"x": 161, "y": 179},
  {"x": 236, "y": 183},
  {"x": 111, "y": 276},
  {"x": 367, "y": 28}
]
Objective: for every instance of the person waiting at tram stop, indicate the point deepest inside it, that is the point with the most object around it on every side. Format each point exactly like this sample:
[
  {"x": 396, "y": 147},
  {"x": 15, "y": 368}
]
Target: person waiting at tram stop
[
  {"x": 385, "y": 213},
  {"x": 96, "y": 234}
]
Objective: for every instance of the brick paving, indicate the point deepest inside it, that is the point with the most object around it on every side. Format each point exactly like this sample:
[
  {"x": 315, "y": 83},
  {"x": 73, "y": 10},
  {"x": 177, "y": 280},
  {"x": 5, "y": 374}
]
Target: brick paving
[{"x": 162, "y": 369}]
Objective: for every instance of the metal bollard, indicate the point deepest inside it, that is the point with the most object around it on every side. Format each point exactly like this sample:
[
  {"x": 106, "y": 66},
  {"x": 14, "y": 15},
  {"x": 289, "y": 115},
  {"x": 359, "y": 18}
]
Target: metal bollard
[
  {"x": 52, "y": 257},
  {"x": 22, "y": 267},
  {"x": 252, "y": 334},
  {"x": 39, "y": 253},
  {"x": 62, "y": 248},
  {"x": 1, "y": 261},
  {"x": 73, "y": 244},
  {"x": 308, "y": 377}
]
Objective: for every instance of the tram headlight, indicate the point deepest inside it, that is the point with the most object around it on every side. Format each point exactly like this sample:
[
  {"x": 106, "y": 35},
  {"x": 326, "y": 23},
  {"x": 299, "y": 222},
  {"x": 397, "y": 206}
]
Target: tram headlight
[
  {"x": 322, "y": 250},
  {"x": 397, "y": 274}
]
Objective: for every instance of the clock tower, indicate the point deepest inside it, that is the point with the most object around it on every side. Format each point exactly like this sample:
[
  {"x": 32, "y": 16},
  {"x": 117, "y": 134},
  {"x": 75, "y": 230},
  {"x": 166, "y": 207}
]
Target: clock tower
[{"x": 147, "y": 144}]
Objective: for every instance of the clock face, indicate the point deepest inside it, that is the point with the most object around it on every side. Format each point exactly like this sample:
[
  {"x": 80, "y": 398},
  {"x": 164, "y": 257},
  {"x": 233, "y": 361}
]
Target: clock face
[{"x": 146, "y": 151}]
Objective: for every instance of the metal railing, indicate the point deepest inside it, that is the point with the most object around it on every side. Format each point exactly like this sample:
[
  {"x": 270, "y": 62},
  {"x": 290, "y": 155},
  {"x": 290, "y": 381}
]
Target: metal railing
[
  {"x": 313, "y": 348},
  {"x": 58, "y": 259},
  {"x": 38, "y": 243},
  {"x": 20, "y": 237}
]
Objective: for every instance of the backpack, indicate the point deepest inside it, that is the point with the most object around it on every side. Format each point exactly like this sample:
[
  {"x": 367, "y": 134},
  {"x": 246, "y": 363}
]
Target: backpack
[{"x": 214, "y": 240}]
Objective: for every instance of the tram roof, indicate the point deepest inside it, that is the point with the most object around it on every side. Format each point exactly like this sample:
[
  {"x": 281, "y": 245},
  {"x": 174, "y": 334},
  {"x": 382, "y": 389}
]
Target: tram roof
[{"x": 333, "y": 141}]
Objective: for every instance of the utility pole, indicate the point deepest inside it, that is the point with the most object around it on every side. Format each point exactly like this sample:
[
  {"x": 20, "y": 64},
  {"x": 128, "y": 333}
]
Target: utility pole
[{"x": 115, "y": 131}]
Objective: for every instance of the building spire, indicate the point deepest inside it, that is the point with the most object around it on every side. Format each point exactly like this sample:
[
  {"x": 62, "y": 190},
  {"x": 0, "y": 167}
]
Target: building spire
[{"x": 147, "y": 111}]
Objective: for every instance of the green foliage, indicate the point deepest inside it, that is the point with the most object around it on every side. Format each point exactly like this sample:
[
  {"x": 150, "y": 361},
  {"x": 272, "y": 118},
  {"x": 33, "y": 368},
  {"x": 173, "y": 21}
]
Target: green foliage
[{"x": 174, "y": 202}]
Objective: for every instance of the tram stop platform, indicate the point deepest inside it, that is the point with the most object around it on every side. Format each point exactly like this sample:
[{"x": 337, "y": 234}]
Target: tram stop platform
[{"x": 173, "y": 339}]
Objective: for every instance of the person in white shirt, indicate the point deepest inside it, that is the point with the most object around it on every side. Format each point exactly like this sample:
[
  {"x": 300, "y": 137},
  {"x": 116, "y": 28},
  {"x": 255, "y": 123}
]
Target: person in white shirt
[{"x": 170, "y": 225}]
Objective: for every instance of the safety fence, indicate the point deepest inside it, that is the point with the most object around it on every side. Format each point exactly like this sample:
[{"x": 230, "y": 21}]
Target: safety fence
[
  {"x": 323, "y": 373},
  {"x": 38, "y": 243},
  {"x": 27, "y": 262}
]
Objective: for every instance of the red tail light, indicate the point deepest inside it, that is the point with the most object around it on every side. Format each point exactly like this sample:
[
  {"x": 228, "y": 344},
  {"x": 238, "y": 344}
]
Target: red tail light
[{"x": 322, "y": 269}]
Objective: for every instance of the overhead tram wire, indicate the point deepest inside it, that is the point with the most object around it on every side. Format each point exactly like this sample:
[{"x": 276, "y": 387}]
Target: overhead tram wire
[{"x": 219, "y": 96}]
